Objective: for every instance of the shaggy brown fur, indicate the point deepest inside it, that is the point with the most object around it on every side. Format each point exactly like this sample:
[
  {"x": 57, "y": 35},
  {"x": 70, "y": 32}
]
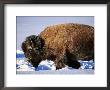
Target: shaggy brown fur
[{"x": 65, "y": 44}]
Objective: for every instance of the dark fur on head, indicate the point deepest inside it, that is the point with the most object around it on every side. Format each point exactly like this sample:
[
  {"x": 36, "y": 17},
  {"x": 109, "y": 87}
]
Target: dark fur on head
[{"x": 33, "y": 49}]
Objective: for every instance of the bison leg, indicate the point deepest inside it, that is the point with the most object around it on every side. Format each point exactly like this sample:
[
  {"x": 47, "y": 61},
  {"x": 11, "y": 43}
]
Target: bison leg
[
  {"x": 59, "y": 64},
  {"x": 71, "y": 60},
  {"x": 73, "y": 64}
]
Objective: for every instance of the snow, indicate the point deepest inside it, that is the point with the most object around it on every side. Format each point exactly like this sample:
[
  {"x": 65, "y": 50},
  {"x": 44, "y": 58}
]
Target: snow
[
  {"x": 22, "y": 65},
  {"x": 20, "y": 52},
  {"x": 48, "y": 67},
  {"x": 65, "y": 72}
]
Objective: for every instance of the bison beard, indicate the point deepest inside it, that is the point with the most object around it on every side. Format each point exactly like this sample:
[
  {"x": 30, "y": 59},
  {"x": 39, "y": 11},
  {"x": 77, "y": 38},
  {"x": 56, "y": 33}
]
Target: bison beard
[{"x": 64, "y": 44}]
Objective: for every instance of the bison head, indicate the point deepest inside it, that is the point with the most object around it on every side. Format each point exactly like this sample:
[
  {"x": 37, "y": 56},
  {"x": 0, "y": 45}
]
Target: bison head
[{"x": 33, "y": 49}]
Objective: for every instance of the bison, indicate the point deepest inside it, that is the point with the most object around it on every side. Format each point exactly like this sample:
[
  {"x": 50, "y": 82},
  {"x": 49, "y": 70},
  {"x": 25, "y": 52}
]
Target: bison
[{"x": 64, "y": 44}]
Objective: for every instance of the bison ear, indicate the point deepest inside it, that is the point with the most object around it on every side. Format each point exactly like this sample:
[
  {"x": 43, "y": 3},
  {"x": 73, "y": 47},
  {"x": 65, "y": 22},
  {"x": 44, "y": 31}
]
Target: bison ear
[{"x": 39, "y": 42}]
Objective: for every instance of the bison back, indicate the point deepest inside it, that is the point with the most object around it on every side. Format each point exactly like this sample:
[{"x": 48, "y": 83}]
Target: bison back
[{"x": 78, "y": 39}]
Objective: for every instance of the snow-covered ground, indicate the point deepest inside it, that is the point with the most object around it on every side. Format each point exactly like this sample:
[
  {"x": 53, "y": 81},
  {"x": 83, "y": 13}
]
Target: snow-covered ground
[{"x": 48, "y": 67}]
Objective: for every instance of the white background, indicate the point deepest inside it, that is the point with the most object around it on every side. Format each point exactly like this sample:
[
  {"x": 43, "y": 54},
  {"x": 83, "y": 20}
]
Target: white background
[{"x": 94, "y": 80}]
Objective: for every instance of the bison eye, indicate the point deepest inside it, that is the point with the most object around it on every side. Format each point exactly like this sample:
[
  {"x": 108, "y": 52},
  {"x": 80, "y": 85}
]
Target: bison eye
[{"x": 30, "y": 49}]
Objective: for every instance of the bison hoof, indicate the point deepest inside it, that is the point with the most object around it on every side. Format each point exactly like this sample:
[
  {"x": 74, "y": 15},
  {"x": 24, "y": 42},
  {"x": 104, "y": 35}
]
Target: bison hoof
[{"x": 74, "y": 64}]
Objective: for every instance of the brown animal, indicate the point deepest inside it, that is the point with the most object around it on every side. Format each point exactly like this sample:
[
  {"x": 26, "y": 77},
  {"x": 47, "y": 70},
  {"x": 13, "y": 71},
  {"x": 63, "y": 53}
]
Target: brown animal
[{"x": 64, "y": 44}]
